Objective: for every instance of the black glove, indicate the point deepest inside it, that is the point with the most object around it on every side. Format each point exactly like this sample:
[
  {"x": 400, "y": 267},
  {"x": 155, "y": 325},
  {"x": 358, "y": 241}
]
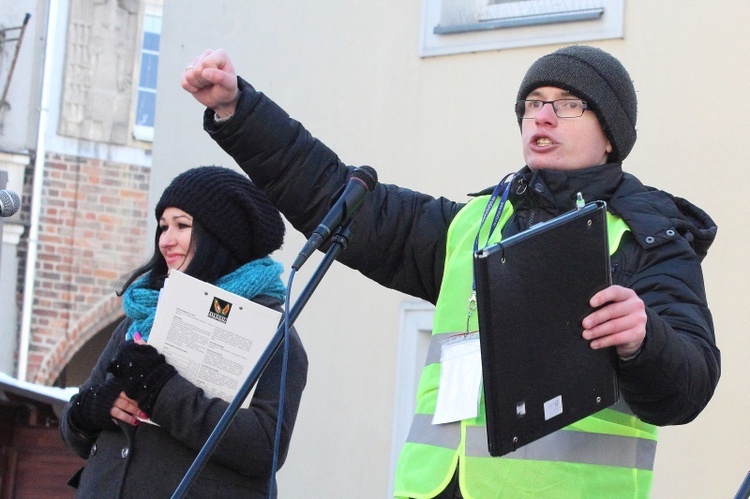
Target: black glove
[
  {"x": 90, "y": 410},
  {"x": 143, "y": 371}
]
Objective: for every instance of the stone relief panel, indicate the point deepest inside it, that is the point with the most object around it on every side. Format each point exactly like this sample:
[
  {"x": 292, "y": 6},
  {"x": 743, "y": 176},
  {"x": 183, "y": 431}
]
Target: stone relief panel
[{"x": 103, "y": 37}]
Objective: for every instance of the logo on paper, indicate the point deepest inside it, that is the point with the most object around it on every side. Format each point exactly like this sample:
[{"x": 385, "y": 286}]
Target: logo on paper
[{"x": 220, "y": 310}]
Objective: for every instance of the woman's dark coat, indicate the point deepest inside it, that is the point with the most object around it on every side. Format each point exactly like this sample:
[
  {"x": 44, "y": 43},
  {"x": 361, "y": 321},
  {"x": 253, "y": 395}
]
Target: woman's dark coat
[{"x": 151, "y": 461}]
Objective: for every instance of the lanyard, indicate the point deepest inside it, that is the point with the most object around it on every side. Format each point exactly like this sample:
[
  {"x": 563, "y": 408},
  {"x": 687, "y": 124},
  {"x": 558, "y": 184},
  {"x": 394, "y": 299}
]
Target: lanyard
[{"x": 504, "y": 187}]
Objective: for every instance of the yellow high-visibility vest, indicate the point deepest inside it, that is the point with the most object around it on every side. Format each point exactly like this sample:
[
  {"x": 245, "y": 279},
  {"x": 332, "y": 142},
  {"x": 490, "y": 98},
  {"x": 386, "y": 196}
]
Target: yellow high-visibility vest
[{"x": 609, "y": 454}]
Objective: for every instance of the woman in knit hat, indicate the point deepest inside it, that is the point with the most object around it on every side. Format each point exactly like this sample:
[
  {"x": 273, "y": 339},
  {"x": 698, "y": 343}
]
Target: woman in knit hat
[
  {"x": 577, "y": 111},
  {"x": 213, "y": 224}
]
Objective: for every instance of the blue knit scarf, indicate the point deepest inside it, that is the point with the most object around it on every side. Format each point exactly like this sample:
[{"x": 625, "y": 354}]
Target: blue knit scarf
[{"x": 259, "y": 277}]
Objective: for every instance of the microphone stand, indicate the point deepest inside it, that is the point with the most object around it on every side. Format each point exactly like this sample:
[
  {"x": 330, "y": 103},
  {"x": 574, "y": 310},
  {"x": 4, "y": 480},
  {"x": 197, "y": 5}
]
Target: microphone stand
[
  {"x": 744, "y": 491},
  {"x": 339, "y": 241}
]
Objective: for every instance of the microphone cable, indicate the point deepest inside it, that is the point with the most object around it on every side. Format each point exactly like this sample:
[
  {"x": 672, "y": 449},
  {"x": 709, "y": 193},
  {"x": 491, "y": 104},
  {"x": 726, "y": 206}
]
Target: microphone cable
[
  {"x": 282, "y": 389},
  {"x": 361, "y": 181}
]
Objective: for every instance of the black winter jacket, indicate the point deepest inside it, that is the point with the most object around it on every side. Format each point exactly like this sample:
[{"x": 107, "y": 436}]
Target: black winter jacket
[{"x": 398, "y": 240}]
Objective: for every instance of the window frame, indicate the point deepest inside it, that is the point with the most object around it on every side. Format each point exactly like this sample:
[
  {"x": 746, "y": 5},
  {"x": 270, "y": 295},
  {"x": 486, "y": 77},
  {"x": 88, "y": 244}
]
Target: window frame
[
  {"x": 516, "y": 24},
  {"x": 152, "y": 23},
  {"x": 415, "y": 333}
]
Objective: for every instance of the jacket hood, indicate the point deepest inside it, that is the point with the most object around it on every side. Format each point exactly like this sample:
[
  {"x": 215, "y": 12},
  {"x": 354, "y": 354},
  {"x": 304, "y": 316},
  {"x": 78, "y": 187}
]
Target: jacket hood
[
  {"x": 661, "y": 210},
  {"x": 653, "y": 214}
]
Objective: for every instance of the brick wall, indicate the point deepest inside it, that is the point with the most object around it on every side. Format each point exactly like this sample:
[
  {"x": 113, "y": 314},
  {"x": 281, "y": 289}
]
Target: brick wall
[{"x": 92, "y": 232}]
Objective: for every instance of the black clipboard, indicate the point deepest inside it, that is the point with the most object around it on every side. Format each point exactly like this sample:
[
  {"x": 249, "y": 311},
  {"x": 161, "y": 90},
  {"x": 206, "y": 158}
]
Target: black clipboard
[{"x": 533, "y": 291}]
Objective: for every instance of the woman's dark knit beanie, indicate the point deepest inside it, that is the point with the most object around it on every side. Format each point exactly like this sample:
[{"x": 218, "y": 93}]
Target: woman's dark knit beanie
[
  {"x": 598, "y": 78},
  {"x": 228, "y": 206}
]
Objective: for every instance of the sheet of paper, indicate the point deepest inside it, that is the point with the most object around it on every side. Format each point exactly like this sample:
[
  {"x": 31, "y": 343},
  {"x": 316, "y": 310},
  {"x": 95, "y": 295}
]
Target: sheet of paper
[{"x": 212, "y": 337}]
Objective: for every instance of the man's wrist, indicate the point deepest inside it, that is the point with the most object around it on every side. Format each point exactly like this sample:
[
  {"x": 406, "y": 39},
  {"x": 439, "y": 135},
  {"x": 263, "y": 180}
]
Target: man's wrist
[
  {"x": 631, "y": 355},
  {"x": 221, "y": 119}
]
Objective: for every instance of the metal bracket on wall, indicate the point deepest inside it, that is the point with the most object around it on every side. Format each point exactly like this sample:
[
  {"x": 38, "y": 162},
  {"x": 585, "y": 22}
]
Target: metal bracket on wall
[{"x": 21, "y": 29}]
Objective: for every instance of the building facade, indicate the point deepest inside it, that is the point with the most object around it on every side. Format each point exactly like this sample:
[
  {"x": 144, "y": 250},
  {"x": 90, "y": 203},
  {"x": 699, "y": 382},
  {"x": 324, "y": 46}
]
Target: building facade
[
  {"x": 76, "y": 132},
  {"x": 424, "y": 93}
]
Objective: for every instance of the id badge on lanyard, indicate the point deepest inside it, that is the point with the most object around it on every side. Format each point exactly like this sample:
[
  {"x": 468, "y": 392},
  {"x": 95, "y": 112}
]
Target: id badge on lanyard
[
  {"x": 460, "y": 379},
  {"x": 460, "y": 385}
]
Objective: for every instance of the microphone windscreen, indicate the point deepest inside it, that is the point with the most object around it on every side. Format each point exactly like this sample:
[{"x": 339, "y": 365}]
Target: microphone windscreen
[
  {"x": 367, "y": 175},
  {"x": 9, "y": 203}
]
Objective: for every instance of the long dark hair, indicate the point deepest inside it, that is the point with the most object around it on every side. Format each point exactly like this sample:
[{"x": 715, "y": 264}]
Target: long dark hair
[{"x": 211, "y": 260}]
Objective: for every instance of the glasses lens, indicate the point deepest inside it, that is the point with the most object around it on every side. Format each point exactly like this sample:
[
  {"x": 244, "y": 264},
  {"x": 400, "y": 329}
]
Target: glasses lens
[
  {"x": 568, "y": 108},
  {"x": 527, "y": 109}
]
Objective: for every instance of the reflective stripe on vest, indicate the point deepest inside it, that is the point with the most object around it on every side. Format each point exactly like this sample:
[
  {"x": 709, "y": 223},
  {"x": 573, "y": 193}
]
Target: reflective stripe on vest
[
  {"x": 564, "y": 445},
  {"x": 608, "y": 454}
]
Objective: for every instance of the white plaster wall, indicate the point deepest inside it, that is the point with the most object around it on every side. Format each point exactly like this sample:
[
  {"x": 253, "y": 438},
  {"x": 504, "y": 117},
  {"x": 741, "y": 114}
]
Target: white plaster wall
[{"x": 350, "y": 72}]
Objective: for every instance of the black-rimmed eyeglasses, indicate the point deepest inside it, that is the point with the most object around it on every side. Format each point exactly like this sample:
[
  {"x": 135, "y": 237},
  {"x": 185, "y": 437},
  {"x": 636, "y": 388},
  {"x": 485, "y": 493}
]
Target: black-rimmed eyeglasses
[{"x": 564, "y": 108}]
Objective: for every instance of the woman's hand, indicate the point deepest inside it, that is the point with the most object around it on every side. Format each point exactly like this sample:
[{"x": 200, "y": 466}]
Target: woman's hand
[
  {"x": 100, "y": 406},
  {"x": 142, "y": 371},
  {"x": 126, "y": 410}
]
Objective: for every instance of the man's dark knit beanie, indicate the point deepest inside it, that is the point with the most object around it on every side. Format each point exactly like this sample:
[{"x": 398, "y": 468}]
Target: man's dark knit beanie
[
  {"x": 228, "y": 206},
  {"x": 598, "y": 78}
]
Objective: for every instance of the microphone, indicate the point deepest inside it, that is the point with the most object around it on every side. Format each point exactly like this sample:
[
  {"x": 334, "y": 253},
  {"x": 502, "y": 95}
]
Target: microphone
[
  {"x": 9, "y": 203},
  {"x": 360, "y": 183}
]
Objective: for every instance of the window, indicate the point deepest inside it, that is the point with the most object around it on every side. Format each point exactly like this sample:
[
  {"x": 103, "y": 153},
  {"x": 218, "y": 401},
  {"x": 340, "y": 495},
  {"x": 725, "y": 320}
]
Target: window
[
  {"x": 146, "y": 101},
  {"x": 456, "y": 26}
]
